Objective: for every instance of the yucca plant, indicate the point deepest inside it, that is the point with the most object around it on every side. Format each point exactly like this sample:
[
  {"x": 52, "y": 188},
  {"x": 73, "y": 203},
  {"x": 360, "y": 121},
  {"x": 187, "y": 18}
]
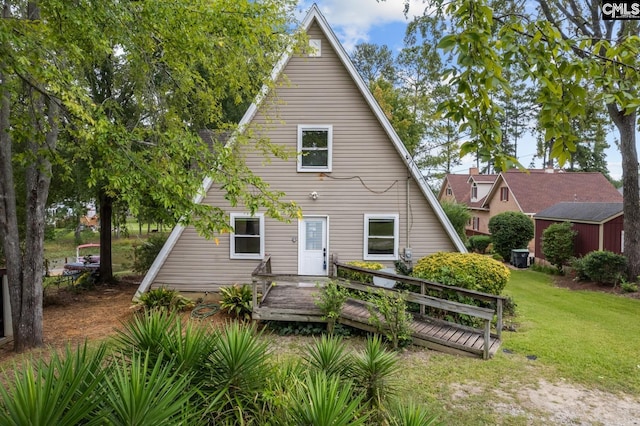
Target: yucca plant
[
  {"x": 410, "y": 414},
  {"x": 237, "y": 300},
  {"x": 374, "y": 371},
  {"x": 147, "y": 332},
  {"x": 142, "y": 392},
  {"x": 328, "y": 354},
  {"x": 63, "y": 392},
  {"x": 322, "y": 400},
  {"x": 164, "y": 298},
  {"x": 239, "y": 368},
  {"x": 283, "y": 376}
]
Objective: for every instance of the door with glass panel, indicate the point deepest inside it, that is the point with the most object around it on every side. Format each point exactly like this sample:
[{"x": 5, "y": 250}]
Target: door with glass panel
[{"x": 313, "y": 246}]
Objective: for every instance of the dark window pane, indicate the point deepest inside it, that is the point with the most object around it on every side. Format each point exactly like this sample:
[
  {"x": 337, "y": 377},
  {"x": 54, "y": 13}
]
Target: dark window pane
[
  {"x": 380, "y": 246},
  {"x": 315, "y": 159},
  {"x": 247, "y": 226},
  {"x": 315, "y": 139},
  {"x": 247, "y": 245},
  {"x": 381, "y": 227}
]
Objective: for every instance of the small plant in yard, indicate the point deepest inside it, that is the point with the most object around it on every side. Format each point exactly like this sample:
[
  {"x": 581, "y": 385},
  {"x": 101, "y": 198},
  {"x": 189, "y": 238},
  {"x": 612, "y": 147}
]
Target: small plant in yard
[
  {"x": 628, "y": 287},
  {"x": 390, "y": 316},
  {"x": 146, "y": 253},
  {"x": 600, "y": 266},
  {"x": 164, "y": 298},
  {"x": 479, "y": 243},
  {"x": 557, "y": 243},
  {"x": 330, "y": 299},
  {"x": 237, "y": 300}
]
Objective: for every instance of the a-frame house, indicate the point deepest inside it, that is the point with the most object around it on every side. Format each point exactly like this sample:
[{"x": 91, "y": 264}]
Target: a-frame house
[{"x": 362, "y": 197}]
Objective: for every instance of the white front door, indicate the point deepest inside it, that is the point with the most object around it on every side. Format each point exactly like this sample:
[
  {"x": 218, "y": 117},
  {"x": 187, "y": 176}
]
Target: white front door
[{"x": 313, "y": 256}]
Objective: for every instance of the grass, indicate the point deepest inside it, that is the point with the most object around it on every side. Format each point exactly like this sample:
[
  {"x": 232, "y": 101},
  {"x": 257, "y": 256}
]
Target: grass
[
  {"x": 577, "y": 337},
  {"x": 63, "y": 246},
  {"x": 589, "y": 337}
]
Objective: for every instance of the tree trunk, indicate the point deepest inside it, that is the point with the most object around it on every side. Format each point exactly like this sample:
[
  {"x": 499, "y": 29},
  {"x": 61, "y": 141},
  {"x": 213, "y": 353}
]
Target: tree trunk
[
  {"x": 631, "y": 202},
  {"x": 106, "y": 211}
]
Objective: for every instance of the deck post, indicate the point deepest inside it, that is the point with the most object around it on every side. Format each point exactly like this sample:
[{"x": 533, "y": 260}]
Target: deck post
[
  {"x": 423, "y": 291},
  {"x": 487, "y": 338},
  {"x": 255, "y": 292},
  {"x": 499, "y": 320}
]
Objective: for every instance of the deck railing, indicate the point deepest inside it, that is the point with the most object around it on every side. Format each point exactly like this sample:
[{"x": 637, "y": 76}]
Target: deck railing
[
  {"x": 440, "y": 303},
  {"x": 261, "y": 275}
]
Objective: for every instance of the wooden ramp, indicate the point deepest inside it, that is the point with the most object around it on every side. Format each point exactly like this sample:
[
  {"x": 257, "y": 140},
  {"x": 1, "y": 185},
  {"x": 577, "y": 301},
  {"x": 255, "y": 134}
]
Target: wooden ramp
[{"x": 292, "y": 301}]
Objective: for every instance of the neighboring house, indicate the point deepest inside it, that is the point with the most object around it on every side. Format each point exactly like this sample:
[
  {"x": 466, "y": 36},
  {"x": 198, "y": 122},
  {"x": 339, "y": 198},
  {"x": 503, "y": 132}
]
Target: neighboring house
[
  {"x": 599, "y": 226},
  {"x": 533, "y": 191},
  {"x": 470, "y": 190},
  {"x": 361, "y": 195}
]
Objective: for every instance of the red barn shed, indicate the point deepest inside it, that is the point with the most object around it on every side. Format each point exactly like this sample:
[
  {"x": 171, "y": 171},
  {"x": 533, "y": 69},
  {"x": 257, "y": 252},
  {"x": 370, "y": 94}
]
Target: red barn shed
[{"x": 599, "y": 226}]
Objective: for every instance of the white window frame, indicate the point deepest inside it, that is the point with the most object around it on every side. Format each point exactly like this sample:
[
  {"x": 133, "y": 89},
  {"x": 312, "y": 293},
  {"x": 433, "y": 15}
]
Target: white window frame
[
  {"x": 315, "y": 127},
  {"x": 232, "y": 243},
  {"x": 315, "y": 45},
  {"x": 396, "y": 237}
]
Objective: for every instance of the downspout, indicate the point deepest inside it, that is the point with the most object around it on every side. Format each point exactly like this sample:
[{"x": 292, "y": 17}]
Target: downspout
[{"x": 408, "y": 238}]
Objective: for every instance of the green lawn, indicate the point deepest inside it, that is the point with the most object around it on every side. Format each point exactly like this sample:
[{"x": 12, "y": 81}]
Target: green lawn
[
  {"x": 64, "y": 246},
  {"x": 589, "y": 337},
  {"x": 563, "y": 336}
]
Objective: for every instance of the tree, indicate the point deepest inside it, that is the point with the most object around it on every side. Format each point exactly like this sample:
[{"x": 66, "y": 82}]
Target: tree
[
  {"x": 124, "y": 87},
  {"x": 557, "y": 243},
  {"x": 564, "y": 49},
  {"x": 458, "y": 214},
  {"x": 509, "y": 231},
  {"x": 374, "y": 62}
]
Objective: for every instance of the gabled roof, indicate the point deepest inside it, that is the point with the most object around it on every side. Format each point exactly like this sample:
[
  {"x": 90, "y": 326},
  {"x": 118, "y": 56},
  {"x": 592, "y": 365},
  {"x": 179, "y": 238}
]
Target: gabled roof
[
  {"x": 582, "y": 212},
  {"x": 314, "y": 15},
  {"x": 537, "y": 190},
  {"x": 461, "y": 187}
]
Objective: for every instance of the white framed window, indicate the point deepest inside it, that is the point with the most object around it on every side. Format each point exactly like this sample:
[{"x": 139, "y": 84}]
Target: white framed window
[
  {"x": 315, "y": 46},
  {"x": 247, "y": 238},
  {"x": 474, "y": 192},
  {"x": 381, "y": 235},
  {"x": 476, "y": 223},
  {"x": 314, "y": 148}
]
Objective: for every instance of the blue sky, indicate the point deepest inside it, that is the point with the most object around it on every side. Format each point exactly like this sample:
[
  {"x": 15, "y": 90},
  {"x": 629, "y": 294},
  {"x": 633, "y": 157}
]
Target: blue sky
[{"x": 383, "y": 22}]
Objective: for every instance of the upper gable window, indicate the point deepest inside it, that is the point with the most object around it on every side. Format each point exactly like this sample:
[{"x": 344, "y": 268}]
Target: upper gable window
[
  {"x": 474, "y": 192},
  {"x": 504, "y": 194},
  {"x": 315, "y": 47},
  {"x": 449, "y": 191},
  {"x": 247, "y": 238},
  {"x": 314, "y": 148}
]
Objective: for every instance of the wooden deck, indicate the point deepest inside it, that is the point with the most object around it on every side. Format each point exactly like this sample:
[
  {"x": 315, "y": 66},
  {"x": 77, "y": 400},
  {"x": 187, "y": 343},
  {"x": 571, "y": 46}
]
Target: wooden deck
[{"x": 294, "y": 301}]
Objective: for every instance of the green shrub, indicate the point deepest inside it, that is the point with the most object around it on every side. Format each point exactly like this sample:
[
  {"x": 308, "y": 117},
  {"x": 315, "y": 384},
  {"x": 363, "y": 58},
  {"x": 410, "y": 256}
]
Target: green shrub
[
  {"x": 467, "y": 270},
  {"x": 557, "y": 243},
  {"x": 390, "y": 316},
  {"x": 628, "y": 287},
  {"x": 602, "y": 266},
  {"x": 330, "y": 300},
  {"x": 146, "y": 253},
  {"x": 479, "y": 243},
  {"x": 509, "y": 231},
  {"x": 164, "y": 298},
  {"x": 237, "y": 300},
  {"x": 360, "y": 277}
]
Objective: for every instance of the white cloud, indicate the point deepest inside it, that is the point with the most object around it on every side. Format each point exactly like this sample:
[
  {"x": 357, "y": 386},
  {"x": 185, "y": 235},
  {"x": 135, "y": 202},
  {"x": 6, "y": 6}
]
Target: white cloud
[{"x": 352, "y": 20}]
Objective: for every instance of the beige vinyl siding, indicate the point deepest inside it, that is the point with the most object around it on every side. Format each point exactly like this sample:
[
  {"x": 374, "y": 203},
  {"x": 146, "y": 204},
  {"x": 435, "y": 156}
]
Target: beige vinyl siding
[{"x": 368, "y": 177}]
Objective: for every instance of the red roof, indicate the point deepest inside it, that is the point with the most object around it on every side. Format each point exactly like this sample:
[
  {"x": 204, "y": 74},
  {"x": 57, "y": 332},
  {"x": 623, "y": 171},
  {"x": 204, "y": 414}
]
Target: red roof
[{"x": 539, "y": 189}]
